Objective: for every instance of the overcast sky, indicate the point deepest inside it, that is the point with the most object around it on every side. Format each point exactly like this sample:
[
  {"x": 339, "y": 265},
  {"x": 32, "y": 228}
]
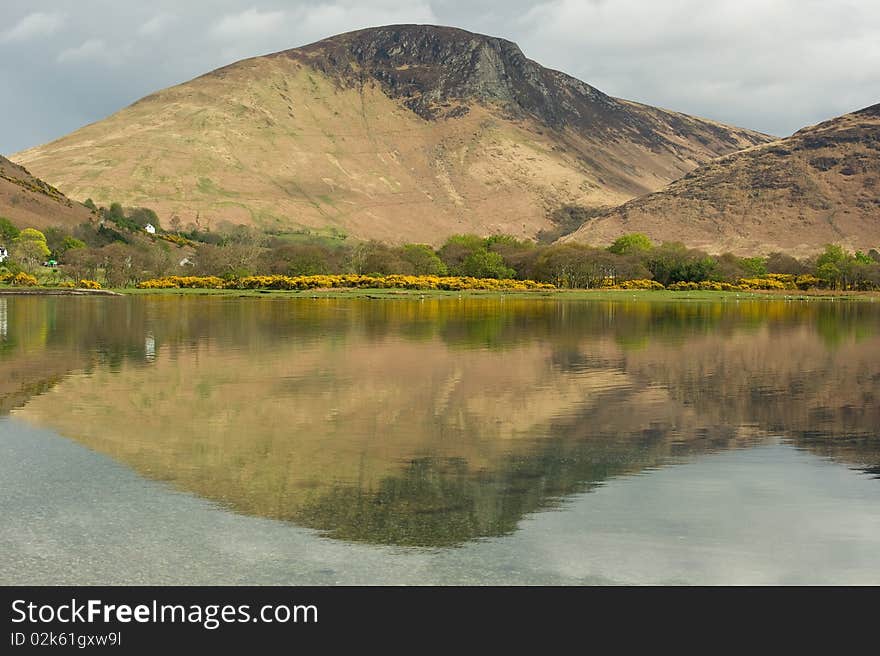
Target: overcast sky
[{"x": 771, "y": 65}]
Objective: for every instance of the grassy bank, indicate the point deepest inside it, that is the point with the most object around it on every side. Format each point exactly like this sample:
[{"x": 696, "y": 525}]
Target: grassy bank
[
  {"x": 6, "y": 290},
  {"x": 559, "y": 294},
  {"x": 385, "y": 293}
]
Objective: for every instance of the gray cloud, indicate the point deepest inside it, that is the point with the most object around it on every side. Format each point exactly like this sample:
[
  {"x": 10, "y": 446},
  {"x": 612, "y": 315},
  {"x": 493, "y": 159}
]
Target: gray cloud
[
  {"x": 33, "y": 25},
  {"x": 772, "y": 65}
]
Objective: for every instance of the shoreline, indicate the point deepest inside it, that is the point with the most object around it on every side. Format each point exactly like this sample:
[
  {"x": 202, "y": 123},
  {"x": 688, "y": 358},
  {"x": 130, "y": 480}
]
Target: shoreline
[
  {"x": 558, "y": 294},
  {"x": 664, "y": 295},
  {"x": 56, "y": 291}
]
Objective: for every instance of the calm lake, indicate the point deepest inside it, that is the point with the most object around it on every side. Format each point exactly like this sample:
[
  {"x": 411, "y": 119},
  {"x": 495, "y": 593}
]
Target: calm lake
[{"x": 222, "y": 440}]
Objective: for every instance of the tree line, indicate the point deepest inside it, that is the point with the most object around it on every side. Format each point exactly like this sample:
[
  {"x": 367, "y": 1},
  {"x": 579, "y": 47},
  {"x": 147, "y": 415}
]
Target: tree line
[{"x": 118, "y": 250}]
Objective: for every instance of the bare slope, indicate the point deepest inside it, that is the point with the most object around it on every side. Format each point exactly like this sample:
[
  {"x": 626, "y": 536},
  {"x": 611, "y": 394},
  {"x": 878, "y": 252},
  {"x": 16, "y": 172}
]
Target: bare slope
[
  {"x": 29, "y": 202},
  {"x": 399, "y": 133},
  {"x": 821, "y": 185}
]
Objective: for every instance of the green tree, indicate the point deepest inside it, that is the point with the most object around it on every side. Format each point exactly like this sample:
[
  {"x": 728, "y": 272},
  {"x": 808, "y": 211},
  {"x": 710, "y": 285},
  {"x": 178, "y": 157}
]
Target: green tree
[
  {"x": 581, "y": 266},
  {"x": 141, "y": 216},
  {"x": 754, "y": 266},
  {"x": 518, "y": 254},
  {"x": 375, "y": 257},
  {"x": 59, "y": 241},
  {"x": 116, "y": 213},
  {"x": 483, "y": 264},
  {"x": 830, "y": 274},
  {"x": 674, "y": 262},
  {"x": 298, "y": 260},
  {"x": 29, "y": 249},
  {"x": 457, "y": 249},
  {"x": 8, "y": 231},
  {"x": 423, "y": 260},
  {"x": 832, "y": 266},
  {"x": 634, "y": 243},
  {"x": 71, "y": 243}
]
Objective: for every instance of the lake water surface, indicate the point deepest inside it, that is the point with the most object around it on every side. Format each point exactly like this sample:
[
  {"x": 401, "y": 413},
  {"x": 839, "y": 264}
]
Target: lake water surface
[{"x": 223, "y": 440}]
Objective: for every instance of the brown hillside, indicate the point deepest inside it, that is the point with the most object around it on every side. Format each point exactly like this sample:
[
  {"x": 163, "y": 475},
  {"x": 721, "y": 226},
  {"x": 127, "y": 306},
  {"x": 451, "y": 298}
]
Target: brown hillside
[
  {"x": 31, "y": 203},
  {"x": 821, "y": 185},
  {"x": 404, "y": 133}
]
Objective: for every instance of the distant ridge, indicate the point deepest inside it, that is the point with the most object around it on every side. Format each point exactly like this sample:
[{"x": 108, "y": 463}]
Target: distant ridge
[{"x": 821, "y": 185}]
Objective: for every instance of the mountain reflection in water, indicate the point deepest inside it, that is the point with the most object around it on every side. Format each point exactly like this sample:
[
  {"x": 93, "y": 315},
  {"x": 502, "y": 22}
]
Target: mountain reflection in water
[{"x": 434, "y": 422}]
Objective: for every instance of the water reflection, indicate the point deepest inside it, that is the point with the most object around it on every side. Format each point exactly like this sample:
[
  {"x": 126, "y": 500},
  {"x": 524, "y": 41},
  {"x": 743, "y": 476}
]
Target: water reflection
[{"x": 440, "y": 421}]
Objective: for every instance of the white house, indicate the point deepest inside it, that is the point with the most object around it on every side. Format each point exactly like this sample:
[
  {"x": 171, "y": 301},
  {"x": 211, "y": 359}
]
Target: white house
[
  {"x": 3, "y": 254},
  {"x": 150, "y": 228}
]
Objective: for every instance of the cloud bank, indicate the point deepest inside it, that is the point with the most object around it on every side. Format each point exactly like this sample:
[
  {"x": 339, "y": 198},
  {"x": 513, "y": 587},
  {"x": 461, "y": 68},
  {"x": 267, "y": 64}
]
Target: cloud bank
[{"x": 771, "y": 65}]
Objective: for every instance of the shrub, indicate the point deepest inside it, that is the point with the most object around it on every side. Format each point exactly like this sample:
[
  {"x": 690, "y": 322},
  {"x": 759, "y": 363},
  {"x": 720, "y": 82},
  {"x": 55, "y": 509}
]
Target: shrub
[
  {"x": 394, "y": 281},
  {"x": 639, "y": 284},
  {"x": 23, "y": 280},
  {"x": 89, "y": 284},
  {"x": 761, "y": 283},
  {"x": 706, "y": 286},
  {"x": 806, "y": 281}
]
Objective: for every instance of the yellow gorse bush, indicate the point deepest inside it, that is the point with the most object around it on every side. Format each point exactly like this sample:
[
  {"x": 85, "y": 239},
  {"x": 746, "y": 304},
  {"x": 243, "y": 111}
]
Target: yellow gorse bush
[
  {"x": 184, "y": 282},
  {"x": 807, "y": 281},
  {"x": 344, "y": 281},
  {"x": 772, "y": 281},
  {"x": 89, "y": 284},
  {"x": 706, "y": 286},
  {"x": 639, "y": 284},
  {"x": 23, "y": 280},
  {"x": 175, "y": 239},
  {"x": 764, "y": 283}
]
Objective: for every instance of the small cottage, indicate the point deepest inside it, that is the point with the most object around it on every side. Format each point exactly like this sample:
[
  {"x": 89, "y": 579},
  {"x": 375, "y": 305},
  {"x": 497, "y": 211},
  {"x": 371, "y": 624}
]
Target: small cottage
[
  {"x": 150, "y": 228},
  {"x": 4, "y": 254}
]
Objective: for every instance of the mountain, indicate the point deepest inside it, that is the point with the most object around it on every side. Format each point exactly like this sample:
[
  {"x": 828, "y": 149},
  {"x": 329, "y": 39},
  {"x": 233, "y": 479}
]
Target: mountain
[
  {"x": 401, "y": 133},
  {"x": 31, "y": 203},
  {"x": 821, "y": 185}
]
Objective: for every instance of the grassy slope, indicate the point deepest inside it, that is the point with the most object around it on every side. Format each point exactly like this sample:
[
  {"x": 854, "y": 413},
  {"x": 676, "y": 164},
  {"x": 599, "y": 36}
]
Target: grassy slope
[
  {"x": 31, "y": 203},
  {"x": 821, "y": 185},
  {"x": 274, "y": 143}
]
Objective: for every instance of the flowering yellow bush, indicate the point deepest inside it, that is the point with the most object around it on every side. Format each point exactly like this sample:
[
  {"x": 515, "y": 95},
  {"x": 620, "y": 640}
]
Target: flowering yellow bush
[
  {"x": 762, "y": 283},
  {"x": 807, "y": 281},
  {"x": 89, "y": 284},
  {"x": 188, "y": 282},
  {"x": 639, "y": 284},
  {"x": 5, "y": 277},
  {"x": 175, "y": 239},
  {"x": 344, "y": 281},
  {"x": 684, "y": 286},
  {"x": 23, "y": 280},
  {"x": 705, "y": 286},
  {"x": 787, "y": 279},
  {"x": 769, "y": 282}
]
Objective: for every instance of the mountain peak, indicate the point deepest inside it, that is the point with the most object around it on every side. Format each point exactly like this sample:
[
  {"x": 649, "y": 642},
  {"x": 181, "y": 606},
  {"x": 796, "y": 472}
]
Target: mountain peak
[{"x": 431, "y": 67}]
